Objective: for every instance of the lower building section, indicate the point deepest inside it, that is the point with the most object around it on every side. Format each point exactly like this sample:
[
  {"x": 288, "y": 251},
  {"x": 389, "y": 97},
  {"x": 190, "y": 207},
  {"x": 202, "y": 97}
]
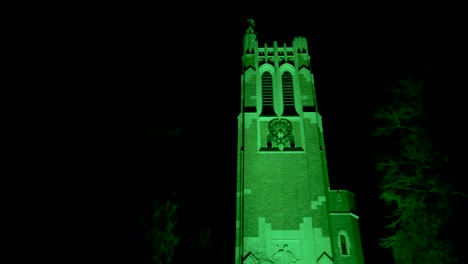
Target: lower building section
[
  {"x": 346, "y": 239},
  {"x": 303, "y": 246},
  {"x": 331, "y": 237}
]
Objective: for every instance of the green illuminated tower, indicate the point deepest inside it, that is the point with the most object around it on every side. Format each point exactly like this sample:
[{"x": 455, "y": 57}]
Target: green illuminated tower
[{"x": 286, "y": 212}]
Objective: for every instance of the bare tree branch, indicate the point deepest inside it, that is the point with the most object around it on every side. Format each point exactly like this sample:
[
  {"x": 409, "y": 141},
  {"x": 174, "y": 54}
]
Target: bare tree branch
[{"x": 411, "y": 179}]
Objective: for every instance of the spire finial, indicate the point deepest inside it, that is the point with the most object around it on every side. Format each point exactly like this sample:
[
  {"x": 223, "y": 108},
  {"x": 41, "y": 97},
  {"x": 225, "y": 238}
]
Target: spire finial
[
  {"x": 251, "y": 22},
  {"x": 251, "y": 27}
]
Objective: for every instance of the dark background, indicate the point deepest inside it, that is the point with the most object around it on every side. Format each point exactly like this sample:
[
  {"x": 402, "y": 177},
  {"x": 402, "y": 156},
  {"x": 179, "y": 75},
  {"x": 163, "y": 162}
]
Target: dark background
[{"x": 158, "y": 119}]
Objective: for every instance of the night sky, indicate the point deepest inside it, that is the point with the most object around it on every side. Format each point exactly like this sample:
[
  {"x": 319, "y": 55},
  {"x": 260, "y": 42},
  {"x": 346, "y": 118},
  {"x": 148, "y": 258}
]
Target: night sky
[{"x": 165, "y": 99}]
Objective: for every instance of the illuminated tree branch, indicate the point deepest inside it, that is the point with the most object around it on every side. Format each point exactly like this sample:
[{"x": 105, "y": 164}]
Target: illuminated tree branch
[
  {"x": 411, "y": 182},
  {"x": 162, "y": 237}
]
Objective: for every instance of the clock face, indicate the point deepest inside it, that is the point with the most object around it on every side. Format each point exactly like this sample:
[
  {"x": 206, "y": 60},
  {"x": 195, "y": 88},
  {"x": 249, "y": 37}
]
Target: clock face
[{"x": 280, "y": 130}]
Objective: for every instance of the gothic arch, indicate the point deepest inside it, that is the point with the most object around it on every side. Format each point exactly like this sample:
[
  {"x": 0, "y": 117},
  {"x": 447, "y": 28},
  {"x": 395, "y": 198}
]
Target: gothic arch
[
  {"x": 288, "y": 87},
  {"x": 267, "y": 90},
  {"x": 287, "y": 67},
  {"x": 343, "y": 243}
]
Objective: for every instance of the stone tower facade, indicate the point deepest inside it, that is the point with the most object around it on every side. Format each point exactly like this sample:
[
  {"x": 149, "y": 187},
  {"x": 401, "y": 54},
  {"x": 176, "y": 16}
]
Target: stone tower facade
[{"x": 286, "y": 212}]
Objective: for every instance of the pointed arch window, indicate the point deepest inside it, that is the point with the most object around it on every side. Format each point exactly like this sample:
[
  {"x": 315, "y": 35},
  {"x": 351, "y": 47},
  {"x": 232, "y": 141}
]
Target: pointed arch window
[
  {"x": 288, "y": 94},
  {"x": 267, "y": 94}
]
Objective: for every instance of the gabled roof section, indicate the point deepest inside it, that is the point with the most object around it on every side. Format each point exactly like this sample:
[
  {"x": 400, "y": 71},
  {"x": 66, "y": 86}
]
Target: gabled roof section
[{"x": 324, "y": 259}]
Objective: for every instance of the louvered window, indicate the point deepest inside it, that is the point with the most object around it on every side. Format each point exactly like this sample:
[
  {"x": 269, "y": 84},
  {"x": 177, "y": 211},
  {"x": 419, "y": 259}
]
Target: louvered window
[
  {"x": 267, "y": 94},
  {"x": 288, "y": 94}
]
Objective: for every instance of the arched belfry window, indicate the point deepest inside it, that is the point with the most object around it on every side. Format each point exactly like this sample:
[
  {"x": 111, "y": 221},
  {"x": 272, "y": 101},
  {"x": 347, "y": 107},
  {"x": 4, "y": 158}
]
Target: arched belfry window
[
  {"x": 267, "y": 94},
  {"x": 288, "y": 94}
]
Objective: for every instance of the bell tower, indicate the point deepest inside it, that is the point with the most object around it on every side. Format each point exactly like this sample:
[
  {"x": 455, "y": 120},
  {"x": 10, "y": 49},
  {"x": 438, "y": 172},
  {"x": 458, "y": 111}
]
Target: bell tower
[{"x": 286, "y": 211}]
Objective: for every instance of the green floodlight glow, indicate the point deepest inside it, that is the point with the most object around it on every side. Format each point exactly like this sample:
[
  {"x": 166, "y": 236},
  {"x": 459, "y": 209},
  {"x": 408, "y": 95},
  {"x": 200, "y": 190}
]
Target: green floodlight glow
[{"x": 286, "y": 211}]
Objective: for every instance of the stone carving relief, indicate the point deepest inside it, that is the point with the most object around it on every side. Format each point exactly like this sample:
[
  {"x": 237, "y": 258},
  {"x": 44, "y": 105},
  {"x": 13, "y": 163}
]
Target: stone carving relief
[
  {"x": 280, "y": 131},
  {"x": 284, "y": 256}
]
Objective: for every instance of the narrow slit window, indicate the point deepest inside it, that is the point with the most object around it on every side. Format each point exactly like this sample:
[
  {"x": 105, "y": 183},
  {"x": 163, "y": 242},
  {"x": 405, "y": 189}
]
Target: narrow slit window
[{"x": 344, "y": 248}]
